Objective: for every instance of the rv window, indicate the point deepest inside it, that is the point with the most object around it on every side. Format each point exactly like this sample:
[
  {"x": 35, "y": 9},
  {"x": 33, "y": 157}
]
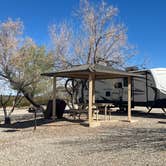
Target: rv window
[
  {"x": 125, "y": 82},
  {"x": 118, "y": 85},
  {"x": 107, "y": 93}
]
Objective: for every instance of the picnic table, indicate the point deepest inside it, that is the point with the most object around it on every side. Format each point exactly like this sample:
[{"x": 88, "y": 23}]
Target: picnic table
[
  {"x": 106, "y": 107},
  {"x": 97, "y": 108}
]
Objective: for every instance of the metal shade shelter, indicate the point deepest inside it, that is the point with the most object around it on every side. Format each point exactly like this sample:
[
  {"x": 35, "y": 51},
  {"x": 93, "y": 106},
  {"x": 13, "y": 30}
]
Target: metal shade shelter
[{"x": 92, "y": 73}]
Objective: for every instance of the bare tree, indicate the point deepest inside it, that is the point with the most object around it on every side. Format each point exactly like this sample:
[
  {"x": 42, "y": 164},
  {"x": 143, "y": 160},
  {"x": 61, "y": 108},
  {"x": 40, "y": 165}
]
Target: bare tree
[{"x": 99, "y": 38}]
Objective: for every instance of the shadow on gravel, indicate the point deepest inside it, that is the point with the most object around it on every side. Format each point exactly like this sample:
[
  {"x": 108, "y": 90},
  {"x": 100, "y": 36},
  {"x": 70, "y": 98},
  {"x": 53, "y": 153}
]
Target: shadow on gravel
[
  {"x": 10, "y": 131},
  {"x": 30, "y": 123},
  {"x": 116, "y": 140},
  {"x": 26, "y": 124},
  {"x": 141, "y": 114},
  {"x": 162, "y": 122}
]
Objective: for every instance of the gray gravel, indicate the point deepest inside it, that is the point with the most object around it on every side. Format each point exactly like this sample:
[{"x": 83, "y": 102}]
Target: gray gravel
[{"x": 68, "y": 143}]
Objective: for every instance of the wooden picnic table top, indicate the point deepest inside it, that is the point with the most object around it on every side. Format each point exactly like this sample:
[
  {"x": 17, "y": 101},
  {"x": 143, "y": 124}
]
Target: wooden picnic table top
[{"x": 104, "y": 104}]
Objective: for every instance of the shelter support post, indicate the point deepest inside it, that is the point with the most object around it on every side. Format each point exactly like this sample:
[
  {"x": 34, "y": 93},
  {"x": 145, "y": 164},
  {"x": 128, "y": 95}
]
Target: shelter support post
[
  {"x": 93, "y": 90},
  {"x": 91, "y": 101},
  {"x": 54, "y": 99},
  {"x": 129, "y": 98},
  {"x": 90, "y": 98},
  {"x": 94, "y": 109}
]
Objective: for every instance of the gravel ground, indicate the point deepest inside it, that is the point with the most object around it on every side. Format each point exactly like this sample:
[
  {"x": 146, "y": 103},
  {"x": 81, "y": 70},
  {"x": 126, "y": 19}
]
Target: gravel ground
[{"x": 67, "y": 143}]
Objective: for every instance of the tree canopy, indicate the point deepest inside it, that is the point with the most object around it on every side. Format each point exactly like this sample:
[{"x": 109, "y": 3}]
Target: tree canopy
[
  {"x": 97, "y": 38},
  {"x": 21, "y": 60}
]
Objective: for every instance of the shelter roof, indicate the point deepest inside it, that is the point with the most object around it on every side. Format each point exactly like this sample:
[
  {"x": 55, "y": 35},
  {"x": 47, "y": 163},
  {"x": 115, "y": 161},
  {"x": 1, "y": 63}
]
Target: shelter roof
[{"x": 83, "y": 71}]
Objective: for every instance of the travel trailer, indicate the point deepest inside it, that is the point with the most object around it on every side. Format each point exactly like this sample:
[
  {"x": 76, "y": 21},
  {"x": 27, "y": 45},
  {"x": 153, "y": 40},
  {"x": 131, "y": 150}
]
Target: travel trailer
[{"x": 148, "y": 91}]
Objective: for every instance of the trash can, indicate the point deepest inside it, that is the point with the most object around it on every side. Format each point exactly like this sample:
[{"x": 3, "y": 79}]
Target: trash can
[{"x": 60, "y": 107}]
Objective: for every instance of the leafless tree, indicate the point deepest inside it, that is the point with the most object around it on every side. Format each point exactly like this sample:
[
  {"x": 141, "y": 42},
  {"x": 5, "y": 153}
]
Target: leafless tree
[{"x": 97, "y": 38}]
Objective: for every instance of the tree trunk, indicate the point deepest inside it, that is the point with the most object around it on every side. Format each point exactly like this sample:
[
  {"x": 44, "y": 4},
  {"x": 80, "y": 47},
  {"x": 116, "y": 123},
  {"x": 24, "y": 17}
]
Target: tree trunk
[
  {"x": 27, "y": 96},
  {"x": 7, "y": 120}
]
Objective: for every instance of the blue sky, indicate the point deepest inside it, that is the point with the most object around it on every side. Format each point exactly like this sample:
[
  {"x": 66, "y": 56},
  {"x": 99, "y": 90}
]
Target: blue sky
[{"x": 145, "y": 20}]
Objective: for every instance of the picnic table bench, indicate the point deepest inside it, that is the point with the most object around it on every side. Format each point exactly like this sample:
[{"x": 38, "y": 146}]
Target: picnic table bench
[{"x": 96, "y": 109}]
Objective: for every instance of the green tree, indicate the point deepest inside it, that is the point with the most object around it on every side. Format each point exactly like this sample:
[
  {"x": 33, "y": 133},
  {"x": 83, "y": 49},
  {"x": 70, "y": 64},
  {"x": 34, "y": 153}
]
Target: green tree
[{"x": 22, "y": 61}]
